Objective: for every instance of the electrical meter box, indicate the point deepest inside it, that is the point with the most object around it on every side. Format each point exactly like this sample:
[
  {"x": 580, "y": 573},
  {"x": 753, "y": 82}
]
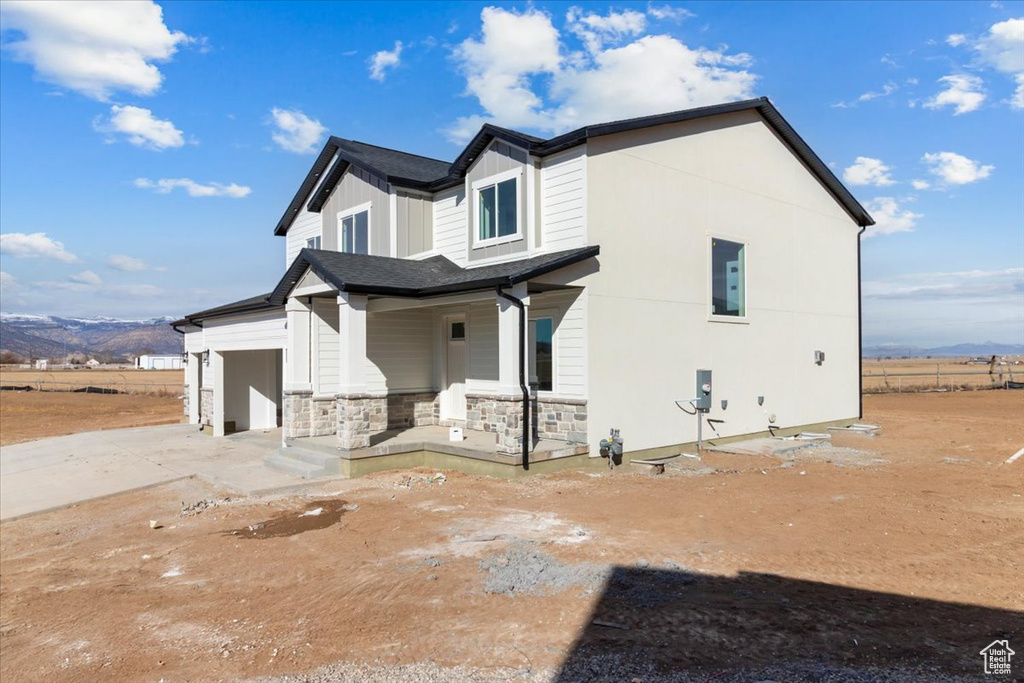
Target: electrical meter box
[{"x": 703, "y": 402}]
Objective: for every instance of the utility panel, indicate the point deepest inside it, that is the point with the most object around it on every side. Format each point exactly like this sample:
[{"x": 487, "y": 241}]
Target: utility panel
[{"x": 703, "y": 402}]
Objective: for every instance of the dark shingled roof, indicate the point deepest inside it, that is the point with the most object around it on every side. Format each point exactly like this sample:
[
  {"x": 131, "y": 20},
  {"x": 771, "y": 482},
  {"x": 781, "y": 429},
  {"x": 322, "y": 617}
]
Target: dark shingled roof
[
  {"x": 430, "y": 175},
  {"x": 251, "y": 305},
  {"x": 383, "y": 275}
]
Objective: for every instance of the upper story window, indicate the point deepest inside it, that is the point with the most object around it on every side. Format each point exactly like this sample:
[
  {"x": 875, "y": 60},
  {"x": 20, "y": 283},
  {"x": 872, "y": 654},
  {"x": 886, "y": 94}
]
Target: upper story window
[
  {"x": 313, "y": 242},
  {"x": 354, "y": 231},
  {"x": 728, "y": 278},
  {"x": 497, "y": 209}
]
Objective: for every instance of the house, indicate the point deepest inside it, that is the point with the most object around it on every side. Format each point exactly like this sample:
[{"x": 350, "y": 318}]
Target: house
[
  {"x": 92, "y": 363},
  {"x": 587, "y": 277},
  {"x": 159, "y": 362}
]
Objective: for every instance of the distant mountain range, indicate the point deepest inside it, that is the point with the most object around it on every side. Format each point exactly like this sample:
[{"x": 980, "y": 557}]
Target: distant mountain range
[
  {"x": 956, "y": 350},
  {"x": 43, "y": 336}
]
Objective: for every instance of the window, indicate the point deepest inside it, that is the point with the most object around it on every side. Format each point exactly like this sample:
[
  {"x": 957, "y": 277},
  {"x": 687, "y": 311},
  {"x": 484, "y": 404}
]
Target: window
[
  {"x": 728, "y": 281},
  {"x": 542, "y": 337},
  {"x": 313, "y": 242},
  {"x": 497, "y": 210},
  {"x": 457, "y": 331},
  {"x": 355, "y": 232}
]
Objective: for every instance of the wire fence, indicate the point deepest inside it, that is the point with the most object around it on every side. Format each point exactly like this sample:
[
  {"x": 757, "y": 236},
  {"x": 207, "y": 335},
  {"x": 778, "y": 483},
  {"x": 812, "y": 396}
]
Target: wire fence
[
  {"x": 110, "y": 386},
  {"x": 939, "y": 380}
]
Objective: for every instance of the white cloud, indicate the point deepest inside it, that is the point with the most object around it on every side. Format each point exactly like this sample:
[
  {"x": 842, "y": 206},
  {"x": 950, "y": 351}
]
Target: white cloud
[
  {"x": 8, "y": 282},
  {"x": 669, "y": 12},
  {"x": 956, "y": 39},
  {"x": 594, "y": 30},
  {"x": 1001, "y": 49},
  {"x": 141, "y": 128},
  {"x": 963, "y": 92},
  {"x": 383, "y": 60},
  {"x": 920, "y": 184},
  {"x": 1017, "y": 101},
  {"x": 194, "y": 189},
  {"x": 889, "y": 217},
  {"x": 868, "y": 171},
  {"x": 129, "y": 263},
  {"x": 520, "y": 52},
  {"x": 967, "y": 284},
  {"x": 35, "y": 245},
  {"x": 955, "y": 169},
  {"x": 86, "y": 277},
  {"x": 94, "y": 48},
  {"x": 887, "y": 89},
  {"x": 296, "y": 132}
]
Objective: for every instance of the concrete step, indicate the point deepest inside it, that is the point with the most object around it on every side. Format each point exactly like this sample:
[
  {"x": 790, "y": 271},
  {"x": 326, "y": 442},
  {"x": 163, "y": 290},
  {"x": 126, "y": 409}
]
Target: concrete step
[{"x": 305, "y": 464}]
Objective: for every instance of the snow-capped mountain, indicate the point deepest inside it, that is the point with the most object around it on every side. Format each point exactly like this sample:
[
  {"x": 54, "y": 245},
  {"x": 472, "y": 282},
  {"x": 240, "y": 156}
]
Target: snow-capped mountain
[{"x": 44, "y": 336}]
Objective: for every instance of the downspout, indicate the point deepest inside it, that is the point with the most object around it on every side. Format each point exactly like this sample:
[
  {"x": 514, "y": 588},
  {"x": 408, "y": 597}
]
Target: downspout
[
  {"x": 527, "y": 434},
  {"x": 860, "y": 336}
]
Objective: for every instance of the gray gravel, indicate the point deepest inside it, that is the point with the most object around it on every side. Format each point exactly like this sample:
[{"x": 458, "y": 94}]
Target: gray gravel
[{"x": 523, "y": 568}]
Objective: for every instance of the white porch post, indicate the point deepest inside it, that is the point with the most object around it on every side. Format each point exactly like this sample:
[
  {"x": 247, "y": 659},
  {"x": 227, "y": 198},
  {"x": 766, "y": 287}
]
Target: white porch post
[
  {"x": 219, "y": 388},
  {"x": 192, "y": 377},
  {"x": 508, "y": 340},
  {"x": 297, "y": 361},
  {"x": 352, "y": 343},
  {"x": 355, "y": 407}
]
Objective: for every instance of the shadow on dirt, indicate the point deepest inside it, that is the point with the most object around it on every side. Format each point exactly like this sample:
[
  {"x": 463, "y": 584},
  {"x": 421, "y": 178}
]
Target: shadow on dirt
[
  {"x": 319, "y": 515},
  {"x": 663, "y": 625}
]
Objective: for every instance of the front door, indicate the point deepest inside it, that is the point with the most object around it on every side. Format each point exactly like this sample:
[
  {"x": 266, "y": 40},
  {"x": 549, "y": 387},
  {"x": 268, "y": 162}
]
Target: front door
[{"x": 453, "y": 398}]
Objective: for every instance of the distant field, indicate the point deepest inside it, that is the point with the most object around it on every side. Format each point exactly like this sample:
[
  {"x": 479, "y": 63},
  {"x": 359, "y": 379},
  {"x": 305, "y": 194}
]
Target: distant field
[
  {"x": 915, "y": 374},
  {"x": 157, "y": 382}
]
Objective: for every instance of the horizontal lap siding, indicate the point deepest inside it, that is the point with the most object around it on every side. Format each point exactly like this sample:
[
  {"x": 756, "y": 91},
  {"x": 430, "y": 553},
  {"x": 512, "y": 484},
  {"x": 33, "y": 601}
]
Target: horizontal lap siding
[
  {"x": 563, "y": 201},
  {"x": 325, "y": 346},
  {"x": 263, "y": 331},
  {"x": 306, "y": 225},
  {"x": 570, "y": 309},
  {"x": 450, "y": 225},
  {"x": 482, "y": 373},
  {"x": 399, "y": 349}
]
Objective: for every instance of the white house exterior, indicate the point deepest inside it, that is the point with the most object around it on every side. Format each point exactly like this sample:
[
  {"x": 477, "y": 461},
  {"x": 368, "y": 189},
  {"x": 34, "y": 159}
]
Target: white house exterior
[{"x": 640, "y": 251}]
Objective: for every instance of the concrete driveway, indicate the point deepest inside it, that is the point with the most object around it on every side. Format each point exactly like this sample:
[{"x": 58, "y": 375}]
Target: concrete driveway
[{"x": 54, "y": 473}]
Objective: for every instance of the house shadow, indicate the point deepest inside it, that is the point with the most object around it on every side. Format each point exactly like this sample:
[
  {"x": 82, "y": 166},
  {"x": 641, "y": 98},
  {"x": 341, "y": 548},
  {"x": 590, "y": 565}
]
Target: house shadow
[{"x": 663, "y": 625}]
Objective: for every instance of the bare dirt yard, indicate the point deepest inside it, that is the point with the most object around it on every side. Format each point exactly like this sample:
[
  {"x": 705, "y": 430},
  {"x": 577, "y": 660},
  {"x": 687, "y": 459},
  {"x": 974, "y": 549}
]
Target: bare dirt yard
[
  {"x": 122, "y": 380},
  {"x": 924, "y": 374},
  {"x": 30, "y": 415},
  {"x": 895, "y": 557}
]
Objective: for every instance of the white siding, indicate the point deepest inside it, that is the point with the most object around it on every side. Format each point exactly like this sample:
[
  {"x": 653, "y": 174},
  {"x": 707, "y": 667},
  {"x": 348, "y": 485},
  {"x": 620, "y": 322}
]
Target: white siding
[
  {"x": 194, "y": 340},
  {"x": 563, "y": 201},
  {"x": 327, "y": 368},
  {"x": 306, "y": 225},
  {"x": 399, "y": 349},
  {"x": 482, "y": 374},
  {"x": 247, "y": 332},
  {"x": 570, "y": 314},
  {"x": 451, "y": 230}
]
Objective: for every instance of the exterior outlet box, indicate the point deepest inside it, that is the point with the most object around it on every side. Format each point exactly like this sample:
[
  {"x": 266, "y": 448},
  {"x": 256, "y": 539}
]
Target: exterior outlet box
[{"x": 704, "y": 386}]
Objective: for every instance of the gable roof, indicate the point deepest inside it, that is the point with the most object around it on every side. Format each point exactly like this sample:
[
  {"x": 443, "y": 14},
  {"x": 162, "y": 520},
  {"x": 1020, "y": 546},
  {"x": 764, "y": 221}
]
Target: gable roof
[
  {"x": 253, "y": 304},
  {"x": 359, "y": 273},
  {"x": 430, "y": 175}
]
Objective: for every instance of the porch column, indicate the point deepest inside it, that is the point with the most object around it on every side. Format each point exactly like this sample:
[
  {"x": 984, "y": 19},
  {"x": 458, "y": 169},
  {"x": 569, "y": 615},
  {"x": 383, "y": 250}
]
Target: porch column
[
  {"x": 192, "y": 378},
  {"x": 297, "y": 363},
  {"x": 507, "y": 419},
  {"x": 353, "y": 400},
  {"x": 219, "y": 387}
]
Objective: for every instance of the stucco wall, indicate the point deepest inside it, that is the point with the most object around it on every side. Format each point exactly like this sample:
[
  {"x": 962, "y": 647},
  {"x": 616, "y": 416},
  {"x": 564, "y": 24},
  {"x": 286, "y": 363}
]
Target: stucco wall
[{"x": 654, "y": 199}]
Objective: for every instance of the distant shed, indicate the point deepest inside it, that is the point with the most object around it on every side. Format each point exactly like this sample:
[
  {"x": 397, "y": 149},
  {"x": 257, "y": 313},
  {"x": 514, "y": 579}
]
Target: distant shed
[{"x": 169, "y": 362}]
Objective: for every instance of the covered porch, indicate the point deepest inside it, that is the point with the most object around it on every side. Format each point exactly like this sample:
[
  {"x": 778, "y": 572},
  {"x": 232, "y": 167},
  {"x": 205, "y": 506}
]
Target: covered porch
[{"x": 375, "y": 369}]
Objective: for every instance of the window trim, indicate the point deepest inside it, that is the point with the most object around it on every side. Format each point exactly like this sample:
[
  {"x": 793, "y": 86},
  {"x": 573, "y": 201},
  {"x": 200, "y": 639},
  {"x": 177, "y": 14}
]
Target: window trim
[
  {"x": 342, "y": 215},
  {"x": 483, "y": 184},
  {"x": 554, "y": 315},
  {"x": 709, "y": 279},
  {"x": 317, "y": 240}
]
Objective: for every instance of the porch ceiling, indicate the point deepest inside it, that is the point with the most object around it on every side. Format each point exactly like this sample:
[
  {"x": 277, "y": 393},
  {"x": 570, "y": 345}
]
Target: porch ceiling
[{"x": 358, "y": 273}]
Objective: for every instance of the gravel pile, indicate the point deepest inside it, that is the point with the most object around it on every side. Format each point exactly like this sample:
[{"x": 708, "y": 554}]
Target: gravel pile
[{"x": 524, "y": 568}]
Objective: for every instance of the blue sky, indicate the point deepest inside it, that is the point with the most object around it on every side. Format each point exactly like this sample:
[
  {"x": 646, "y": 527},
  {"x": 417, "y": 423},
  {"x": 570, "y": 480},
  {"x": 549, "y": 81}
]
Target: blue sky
[{"x": 147, "y": 151}]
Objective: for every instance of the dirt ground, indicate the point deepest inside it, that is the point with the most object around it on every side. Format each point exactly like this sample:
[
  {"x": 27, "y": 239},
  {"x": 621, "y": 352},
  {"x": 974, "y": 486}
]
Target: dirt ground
[
  {"x": 875, "y": 554},
  {"x": 124, "y": 380},
  {"x": 916, "y": 374},
  {"x": 29, "y": 415}
]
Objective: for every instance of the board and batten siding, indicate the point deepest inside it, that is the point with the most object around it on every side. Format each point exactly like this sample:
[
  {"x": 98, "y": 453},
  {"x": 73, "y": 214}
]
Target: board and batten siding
[
  {"x": 499, "y": 158},
  {"x": 358, "y": 187},
  {"x": 451, "y": 227},
  {"x": 563, "y": 200},
  {"x": 400, "y": 351},
  {"x": 414, "y": 214},
  {"x": 325, "y": 342}
]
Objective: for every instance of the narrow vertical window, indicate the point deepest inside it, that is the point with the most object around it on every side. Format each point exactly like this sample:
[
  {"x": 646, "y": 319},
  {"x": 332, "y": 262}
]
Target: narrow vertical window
[
  {"x": 542, "y": 336},
  {"x": 488, "y": 213},
  {"x": 728, "y": 278}
]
